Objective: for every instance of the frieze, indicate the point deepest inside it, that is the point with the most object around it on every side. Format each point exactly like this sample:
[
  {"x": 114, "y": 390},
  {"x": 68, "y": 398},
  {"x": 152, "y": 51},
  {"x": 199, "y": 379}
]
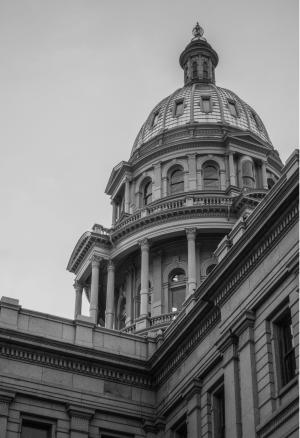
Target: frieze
[{"x": 75, "y": 365}]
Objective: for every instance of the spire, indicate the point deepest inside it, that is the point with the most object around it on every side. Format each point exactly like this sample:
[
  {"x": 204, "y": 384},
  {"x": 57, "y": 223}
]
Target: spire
[{"x": 198, "y": 59}]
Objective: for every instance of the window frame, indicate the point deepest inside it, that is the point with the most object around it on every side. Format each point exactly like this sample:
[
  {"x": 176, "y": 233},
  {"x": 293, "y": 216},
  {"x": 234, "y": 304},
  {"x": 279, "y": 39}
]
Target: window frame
[
  {"x": 174, "y": 184},
  {"x": 178, "y": 102},
  {"x": 215, "y": 165},
  {"x": 155, "y": 118},
  {"x": 145, "y": 197},
  {"x": 256, "y": 120},
  {"x": 37, "y": 420},
  {"x": 175, "y": 286},
  {"x": 205, "y": 98},
  {"x": 234, "y": 104},
  {"x": 282, "y": 380}
]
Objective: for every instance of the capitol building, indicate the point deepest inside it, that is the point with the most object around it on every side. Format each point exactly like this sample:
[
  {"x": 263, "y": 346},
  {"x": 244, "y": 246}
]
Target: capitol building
[{"x": 193, "y": 289}]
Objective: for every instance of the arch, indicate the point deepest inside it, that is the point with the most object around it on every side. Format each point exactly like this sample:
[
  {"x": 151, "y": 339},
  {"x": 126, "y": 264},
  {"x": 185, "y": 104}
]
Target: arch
[
  {"x": 205, "y": 266},
  {"x": 211, "y": 175},
  {"x": 177, "y": 289},
  {"x": 176, "y": 162},
  {"x": 176, "y": 180}
]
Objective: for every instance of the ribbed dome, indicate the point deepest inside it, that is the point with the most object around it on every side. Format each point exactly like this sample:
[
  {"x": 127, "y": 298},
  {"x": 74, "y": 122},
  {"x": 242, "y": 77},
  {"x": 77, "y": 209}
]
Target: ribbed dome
[{"x": 221, "y": 101}]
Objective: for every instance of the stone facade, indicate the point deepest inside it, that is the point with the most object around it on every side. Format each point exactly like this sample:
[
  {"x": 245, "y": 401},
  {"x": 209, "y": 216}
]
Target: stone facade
[{"x": 193, "y": 291}]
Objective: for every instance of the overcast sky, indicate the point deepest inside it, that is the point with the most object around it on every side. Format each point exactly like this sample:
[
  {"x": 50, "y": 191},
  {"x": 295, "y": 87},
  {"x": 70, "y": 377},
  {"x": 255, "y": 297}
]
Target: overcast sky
[{"x": 77, "y": 80}]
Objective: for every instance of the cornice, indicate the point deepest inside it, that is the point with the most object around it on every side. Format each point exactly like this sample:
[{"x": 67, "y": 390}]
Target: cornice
[{"x": 87, "y": 366}]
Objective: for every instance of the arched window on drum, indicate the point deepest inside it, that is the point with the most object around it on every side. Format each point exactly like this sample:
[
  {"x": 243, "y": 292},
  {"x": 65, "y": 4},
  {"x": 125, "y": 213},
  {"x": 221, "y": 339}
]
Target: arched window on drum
[
  {"x": 176, "y": 180},
  {"x": 248, "y": 178},
  {"x": 211, "y": 176},
  {"x": 146, "y": 192},
  {"x": 177, "y": 289}
]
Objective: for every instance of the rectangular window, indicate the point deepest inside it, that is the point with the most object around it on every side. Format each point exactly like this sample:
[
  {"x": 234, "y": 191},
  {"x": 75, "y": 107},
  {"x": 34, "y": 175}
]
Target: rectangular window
[
  {"x": 35, "y": 429},
  {"x": 178, "y": 108},
  {"x": 218, "y": 412},
  {"x": 232, "y": 108},
  {"x": 180, "y": 430},
  {"x": 284, "y": 348},
  {"x": 206, "y": 104}
]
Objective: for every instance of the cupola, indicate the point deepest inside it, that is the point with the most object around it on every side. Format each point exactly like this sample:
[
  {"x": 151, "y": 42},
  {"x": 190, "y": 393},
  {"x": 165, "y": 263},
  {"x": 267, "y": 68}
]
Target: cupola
[{"x": 198, "y": 59}]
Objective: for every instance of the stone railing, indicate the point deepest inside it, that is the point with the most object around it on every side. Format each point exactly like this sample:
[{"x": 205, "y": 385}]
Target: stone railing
[
  {"x": 166, "y": 318},
  {"x": 99, "y": 229},
  {"x": 181, "y": 201},
  {"x": 129, "y": 329}
]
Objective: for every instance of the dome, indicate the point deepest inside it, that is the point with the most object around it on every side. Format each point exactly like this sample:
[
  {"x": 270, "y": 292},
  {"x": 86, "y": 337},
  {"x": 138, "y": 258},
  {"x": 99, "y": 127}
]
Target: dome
[
  {"x": 200, "y": 101},
  {"x": 204, "y": 104}
]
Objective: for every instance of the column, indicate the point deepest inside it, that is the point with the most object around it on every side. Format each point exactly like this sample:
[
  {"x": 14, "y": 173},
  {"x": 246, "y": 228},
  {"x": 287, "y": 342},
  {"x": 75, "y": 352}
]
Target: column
[
  {"x": 192, "y": 172},
  {"x": 144, "y": 244},
  {"x": 228, "y": 348},
  {"x": 127, "y": 196},
  {"x": 249, "y": 405},
  {"x": 157, "y": 304},
  {"x": 94, "y": 288},
  {"x": 129, "y": 298},
  {"x": 193, "y": 398},
  {"x": 78, "y": 298},
  {"x": 264, "y": 174},
  {"x": 110, "y": 295},
  {"x": 232, "y": 176},
  {"x": 6, "y": 397},
  {"x": 191, "y": 238},
  {"x": 114, "y": 212}
]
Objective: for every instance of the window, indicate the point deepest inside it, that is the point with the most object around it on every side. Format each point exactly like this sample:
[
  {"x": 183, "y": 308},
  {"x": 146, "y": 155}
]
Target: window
[
  {"x": 35, "y": 429},
  {"x": 180, "y": 430},
  {"x": 211, "y": 176},
  {"x": 206, "y": 104},
  {"x": 218, "y": 411},
  {"x": 248, "y": 174},
  {"x": 270, "y": 182},
  {"x": 232, "y": 108},
  {"x": 195, "y": 69},
  {"x": 147, "y": 193},
  {"x": 256, "y": 120},
  {"x": 179, "y": 107},
  {"x": 205, "y": 68},
  {"x": 176, "y": 181},
  {"x": 177, "y": 289},
  {"x": 284, "y": 345},
  {"x": 155, "y": 119},
  {"x": 210, "y": 268}
]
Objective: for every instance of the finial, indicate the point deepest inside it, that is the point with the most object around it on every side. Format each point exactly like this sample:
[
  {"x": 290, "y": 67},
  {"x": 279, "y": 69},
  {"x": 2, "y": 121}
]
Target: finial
[{"x": 198, "y": 31}]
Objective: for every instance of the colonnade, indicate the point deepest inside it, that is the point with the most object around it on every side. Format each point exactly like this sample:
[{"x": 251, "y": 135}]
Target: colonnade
[{"x": 110, "y": 290}]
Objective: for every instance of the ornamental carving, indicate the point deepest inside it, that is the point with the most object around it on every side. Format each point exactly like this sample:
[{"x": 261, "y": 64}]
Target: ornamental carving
[{"x": 95, "y": 260}]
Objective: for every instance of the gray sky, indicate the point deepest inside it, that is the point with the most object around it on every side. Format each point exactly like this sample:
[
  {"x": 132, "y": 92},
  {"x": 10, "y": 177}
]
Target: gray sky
[{"x": 77, "y": 80}]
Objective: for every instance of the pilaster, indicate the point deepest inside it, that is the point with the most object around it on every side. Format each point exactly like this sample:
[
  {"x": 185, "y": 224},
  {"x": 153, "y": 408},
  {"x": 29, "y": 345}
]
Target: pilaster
[
  {"x": 145, "y": 246},
  {"x": 227, "y": 345},
  {"x": 6, "y": 397},
  {"x": 192, "y": 395},
  {"x": 192, "y": 176},
  {"x": 191, "y": 238}
]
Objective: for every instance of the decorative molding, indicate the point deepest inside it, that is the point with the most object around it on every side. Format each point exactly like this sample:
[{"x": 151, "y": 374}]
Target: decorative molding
[
  {"x": 78, "y": 286},
  {"x": 144, "y": 244},
  {"x": 271, "y": 238},
  {"x": 80, "y": 417},
  {"x": 95, "y": 260},
  {"x": 78, "y": 366},
  {"x": 189, "y": 343}
]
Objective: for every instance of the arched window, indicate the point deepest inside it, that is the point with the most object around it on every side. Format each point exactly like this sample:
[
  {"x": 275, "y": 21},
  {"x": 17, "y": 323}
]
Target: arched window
[
  {"x": 205, "y": 69},
  {"x": 210, "y": 268},
  {"x": 177, "y": 289},
  {"x": 146, "y": 192},
  {"x": 137, "y": 302},
  {"x": 176, "y": 181},
  {"x": 270, "y": 182},
  {"x": 248, "y": 174},
  {"x": 195, "y": 69},
  {"x": 211, "y": 179}
]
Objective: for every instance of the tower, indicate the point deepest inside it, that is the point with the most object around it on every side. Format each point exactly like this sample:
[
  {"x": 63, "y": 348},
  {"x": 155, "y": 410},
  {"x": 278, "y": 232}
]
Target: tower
[{"x": 200, "y": 163}]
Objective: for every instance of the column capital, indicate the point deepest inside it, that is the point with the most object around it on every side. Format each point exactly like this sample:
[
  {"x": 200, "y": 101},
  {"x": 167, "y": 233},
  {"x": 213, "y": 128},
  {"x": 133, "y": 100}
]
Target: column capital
[
  {"x": 95, "y": 260},
  {"x": 110, "y": 265},
  {"x": 144, "y": 244},
  {"x": 78, "y": 286},
  {"x": 191, "y": 233}
]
